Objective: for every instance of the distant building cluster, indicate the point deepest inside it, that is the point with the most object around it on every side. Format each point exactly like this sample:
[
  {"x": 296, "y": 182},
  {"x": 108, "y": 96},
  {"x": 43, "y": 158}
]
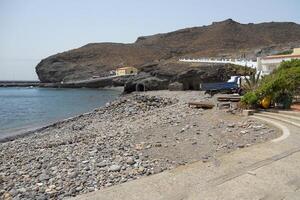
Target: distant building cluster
[
  {"x": 122, "y": 71},
  {"x": 267, "y": 64},
  {"x": 126, "y": 71}
]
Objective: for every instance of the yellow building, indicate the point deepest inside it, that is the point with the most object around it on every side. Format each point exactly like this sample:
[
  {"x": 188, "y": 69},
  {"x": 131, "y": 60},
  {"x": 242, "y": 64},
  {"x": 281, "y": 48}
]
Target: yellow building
[
  {"x": 126, "y": 71},
  {"x": 296, "y": 51}
]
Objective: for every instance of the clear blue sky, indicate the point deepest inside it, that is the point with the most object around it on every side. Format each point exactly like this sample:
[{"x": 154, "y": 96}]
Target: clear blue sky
[{"x": 34, "y": 29}]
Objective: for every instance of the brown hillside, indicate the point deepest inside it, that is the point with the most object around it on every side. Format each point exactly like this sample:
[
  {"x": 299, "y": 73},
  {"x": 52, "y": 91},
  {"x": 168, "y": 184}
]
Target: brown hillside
[{"x": 226, "y": 38}]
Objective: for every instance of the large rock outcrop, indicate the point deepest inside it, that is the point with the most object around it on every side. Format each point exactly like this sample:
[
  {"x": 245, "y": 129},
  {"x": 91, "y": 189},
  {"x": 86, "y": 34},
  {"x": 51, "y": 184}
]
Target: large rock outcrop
[
  {"x": 188, "y": 75},
  {"x": 221, "y": 39},
  {"x": 95, "y": 60}
]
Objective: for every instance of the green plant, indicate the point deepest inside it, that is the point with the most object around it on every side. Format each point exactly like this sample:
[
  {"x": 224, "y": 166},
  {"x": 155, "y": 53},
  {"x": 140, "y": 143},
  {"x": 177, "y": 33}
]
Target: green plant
[
  {"x": 294, "y": 63},
  {"x": 280, "y": 85},
  {"x": 285, "y": 52},
  {"x": 283, "y": 99},
  {"x": 251, "y": 83},
  {"x": 250, "y": 100}
]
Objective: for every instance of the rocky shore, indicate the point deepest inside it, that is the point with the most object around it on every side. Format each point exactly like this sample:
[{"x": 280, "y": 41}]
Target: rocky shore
[{"x": 137, "y": 135}]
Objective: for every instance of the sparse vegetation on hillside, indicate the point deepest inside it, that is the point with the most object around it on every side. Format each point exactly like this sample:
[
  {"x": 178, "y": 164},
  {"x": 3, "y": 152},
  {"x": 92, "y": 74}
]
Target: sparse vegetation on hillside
[{"x": 285, "y": 52}]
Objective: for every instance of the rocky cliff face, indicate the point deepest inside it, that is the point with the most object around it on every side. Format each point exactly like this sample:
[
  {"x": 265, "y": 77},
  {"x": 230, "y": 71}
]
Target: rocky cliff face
[
  {"x": 95, "y": 60},
  {"x": 220, "y": 39},
  {"x": 162, "y": 75}
]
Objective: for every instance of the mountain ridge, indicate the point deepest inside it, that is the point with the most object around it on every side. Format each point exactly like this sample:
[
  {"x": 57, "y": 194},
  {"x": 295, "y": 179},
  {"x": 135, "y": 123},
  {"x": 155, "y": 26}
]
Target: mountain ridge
[{"x": 227, "y": 38}]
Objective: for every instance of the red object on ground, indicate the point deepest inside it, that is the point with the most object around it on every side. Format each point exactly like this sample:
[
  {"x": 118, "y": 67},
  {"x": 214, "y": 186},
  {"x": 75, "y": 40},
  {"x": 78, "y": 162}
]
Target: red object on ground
[{"x": 296, "y": 107}]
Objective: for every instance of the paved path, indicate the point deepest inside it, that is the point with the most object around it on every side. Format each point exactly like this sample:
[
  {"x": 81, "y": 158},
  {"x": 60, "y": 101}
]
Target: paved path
[{"x": 268, "y": 171}]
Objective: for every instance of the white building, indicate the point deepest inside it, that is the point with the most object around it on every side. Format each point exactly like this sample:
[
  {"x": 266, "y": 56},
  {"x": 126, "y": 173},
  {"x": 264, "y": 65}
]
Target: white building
[{"x": 267, "y": 64}]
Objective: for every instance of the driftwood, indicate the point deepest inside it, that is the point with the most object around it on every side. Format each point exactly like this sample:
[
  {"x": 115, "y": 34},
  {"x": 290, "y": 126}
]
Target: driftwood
[
  {"x": 204, "y": 105},
  {"x": 232, "y": 99}
]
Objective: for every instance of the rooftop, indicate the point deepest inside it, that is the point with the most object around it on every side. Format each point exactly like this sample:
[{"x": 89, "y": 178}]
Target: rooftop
[
  {"x": 121, "y": 68},
  {"x": 295, "y": 54}
]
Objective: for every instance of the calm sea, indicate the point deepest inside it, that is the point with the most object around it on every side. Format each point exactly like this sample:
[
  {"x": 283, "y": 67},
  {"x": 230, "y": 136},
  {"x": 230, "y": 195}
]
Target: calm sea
[{"x": 23, "y": 109}]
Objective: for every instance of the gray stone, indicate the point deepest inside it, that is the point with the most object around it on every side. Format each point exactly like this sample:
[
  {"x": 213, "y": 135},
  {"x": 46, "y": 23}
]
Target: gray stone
[
  {"x": 130, "y": 161},
  {"x": 78, "y": 189},
  {"x": 85, "y": 161},
  {"x": 73, "y": 174},
  {"x": 157, "y": 170},
  {"x": 175, "y": 86},
  {"x": 231, "y": 125},
  {"x": 101, "y": 164},
  {"x": 44, "y": 177},
  {"x": 22, "y": 190},
  {"x": 114, "y": 168},
  {"x": 13, "y": 192},
  {"x": 244, "y": 131},
  {"x": 41, "y": 197}
]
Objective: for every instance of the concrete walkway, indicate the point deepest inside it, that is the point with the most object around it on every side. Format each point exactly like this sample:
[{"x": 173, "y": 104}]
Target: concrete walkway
[{"x": 268, "y": 171}]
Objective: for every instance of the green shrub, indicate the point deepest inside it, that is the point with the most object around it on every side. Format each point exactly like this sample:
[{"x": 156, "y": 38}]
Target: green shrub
[
  {"x": 280, "y": 85},
  {"x": 284, "y": 80},
  {"x": 294, "y": 63},
  {"x": 284, "y": 99},
  {"x": 250, "y": 100}
]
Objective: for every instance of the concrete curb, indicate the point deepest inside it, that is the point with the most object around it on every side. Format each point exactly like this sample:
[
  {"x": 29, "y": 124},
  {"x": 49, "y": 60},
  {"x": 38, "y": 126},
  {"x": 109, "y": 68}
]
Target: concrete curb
[
  {"x": 265, "y": 115},
  {"x": 284, "y": 129}
]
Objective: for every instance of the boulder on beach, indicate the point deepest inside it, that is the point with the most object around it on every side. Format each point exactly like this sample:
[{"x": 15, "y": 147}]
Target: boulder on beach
[{"x": 175, "y": 86}]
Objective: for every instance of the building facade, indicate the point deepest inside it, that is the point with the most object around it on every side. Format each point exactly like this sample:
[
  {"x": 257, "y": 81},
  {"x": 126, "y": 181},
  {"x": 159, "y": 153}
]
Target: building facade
[
  {"x": 126, "y": 71},
  {"x": 267, "y": 64}
]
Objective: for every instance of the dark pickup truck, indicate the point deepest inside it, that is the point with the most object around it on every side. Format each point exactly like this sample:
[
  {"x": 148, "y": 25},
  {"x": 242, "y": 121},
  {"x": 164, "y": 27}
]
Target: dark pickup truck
[{"x": 231, "y": 86}]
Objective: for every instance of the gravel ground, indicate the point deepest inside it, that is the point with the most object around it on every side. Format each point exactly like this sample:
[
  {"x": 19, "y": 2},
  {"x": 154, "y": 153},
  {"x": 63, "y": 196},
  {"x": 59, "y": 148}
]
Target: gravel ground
[{"x": 137, "y": 135}]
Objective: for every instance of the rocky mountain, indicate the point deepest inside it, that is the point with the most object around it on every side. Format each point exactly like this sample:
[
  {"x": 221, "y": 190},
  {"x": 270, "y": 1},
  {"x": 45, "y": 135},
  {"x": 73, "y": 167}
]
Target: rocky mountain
[{"x": 220, "y": 39}]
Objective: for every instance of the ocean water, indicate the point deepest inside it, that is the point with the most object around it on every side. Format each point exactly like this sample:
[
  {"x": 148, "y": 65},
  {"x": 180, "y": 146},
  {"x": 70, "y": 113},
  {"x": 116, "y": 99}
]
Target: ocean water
[{"x": 22, "y": 109}]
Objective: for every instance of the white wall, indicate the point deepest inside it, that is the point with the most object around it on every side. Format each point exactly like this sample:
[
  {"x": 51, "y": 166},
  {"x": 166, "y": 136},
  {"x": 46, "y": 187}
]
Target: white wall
[{"x": 248, "y": 63}]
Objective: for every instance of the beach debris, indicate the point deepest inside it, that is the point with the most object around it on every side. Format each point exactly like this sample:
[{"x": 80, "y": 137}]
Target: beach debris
[{"x": 201, "y": 104}]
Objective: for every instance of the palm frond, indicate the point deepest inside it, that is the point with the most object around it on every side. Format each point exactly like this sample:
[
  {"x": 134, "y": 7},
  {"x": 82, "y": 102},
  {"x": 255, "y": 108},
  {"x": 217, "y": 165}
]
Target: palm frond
[{"x": 252, "y": 82}]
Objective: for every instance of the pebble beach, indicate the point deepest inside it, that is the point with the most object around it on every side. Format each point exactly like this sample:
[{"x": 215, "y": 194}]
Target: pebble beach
[{"x": 137, "y": 135}]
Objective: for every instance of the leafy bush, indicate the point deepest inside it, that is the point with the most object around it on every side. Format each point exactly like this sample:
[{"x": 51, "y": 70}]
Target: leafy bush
[
  {"x": 294, "y": 63},
  {"x": 250, "y": 100},
  {"x": 280, "y": 85},
  {"x": 284, "y": 80},
  {"x": 284, "y": 99}
]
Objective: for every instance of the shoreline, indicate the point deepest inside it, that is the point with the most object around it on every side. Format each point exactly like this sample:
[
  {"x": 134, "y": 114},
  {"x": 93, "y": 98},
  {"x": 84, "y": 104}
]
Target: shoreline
[
  {"x": 102, "y": 82},
  {"x": 10, "y": 136},
  {"x": 136, "y": 135},
  {"x": 42, "y": 127}
]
